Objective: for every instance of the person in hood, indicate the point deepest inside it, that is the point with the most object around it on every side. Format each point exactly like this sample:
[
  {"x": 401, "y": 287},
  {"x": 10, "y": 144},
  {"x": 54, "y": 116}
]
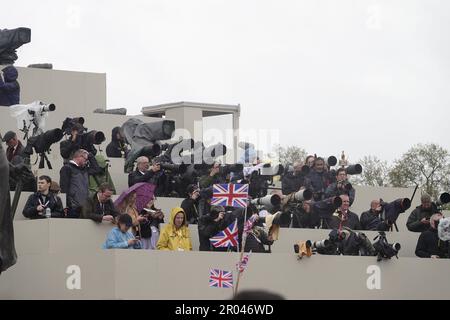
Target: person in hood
[
  {"x": 117, "y": 148},
  {"x": 429, "y": 245},
  {"x": 419, "y": 219},
  {"x": 9, "y": 87},
  {"x": 319, "y": 178},
  {"x": 120, "y": 237},
  {"x": 175, "y": 236}
]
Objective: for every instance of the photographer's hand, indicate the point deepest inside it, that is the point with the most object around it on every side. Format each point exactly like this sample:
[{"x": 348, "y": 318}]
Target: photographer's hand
[
  {"x": 219, "y": 217},
  {"x": 425, "y": 221}
]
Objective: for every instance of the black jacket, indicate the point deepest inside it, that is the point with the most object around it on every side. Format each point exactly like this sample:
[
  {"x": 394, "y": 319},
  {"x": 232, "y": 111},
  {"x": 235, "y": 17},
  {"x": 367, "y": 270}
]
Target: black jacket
[
  {"x": 429, "y": 244},
  {"x": 301, "y": 219},
  {"x": 68, "y": 147},
  {"x": 372, "y": 221},
  {"x": 54, "y": 203},
  {"x": 190, "y": 207},
  {"x": 115, "y": 148},
  {"x": 351, "y": 222},
  {"x": 146, "y": 226},
  {"x": 95, "y": 211},
  {"x": 414, "y": 224},
  {"x": 292, "y": 183},
  {"x": 208, "y": 228},
  {"x": 137, "y": 177},
  {"x": 319, "y": 183},
  {"x": 256, "y": 239},
  {"x": 74, "y": 181},
  {"x": 334, "y": 191}
]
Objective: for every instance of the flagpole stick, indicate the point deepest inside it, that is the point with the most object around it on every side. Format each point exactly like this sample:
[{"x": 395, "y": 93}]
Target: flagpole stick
[{"x": 244, "y": 239}]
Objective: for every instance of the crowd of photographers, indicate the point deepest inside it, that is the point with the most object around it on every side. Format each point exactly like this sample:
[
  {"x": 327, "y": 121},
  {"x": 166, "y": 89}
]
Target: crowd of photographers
[{"x": 312, "y": 195}]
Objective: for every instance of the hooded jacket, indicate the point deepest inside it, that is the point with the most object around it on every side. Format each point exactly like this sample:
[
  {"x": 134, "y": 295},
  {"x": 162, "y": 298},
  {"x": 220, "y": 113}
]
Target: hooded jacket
[
  {"x": 174, "y": 239},
  {"x": 115, "y": 148},
  {"x": 117, "y": 239},
  {"x": 9, "y": 87}
]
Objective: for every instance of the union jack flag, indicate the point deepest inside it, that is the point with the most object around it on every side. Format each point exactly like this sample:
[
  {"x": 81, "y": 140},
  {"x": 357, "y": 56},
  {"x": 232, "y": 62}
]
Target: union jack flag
[
  {"x": 230, "y": 195},
  {"x": 220, "y": 279},
  {"x": 242, "y": 265},
  {"x": 249, "y": 223},
  {"x": 226, "y": 238}
]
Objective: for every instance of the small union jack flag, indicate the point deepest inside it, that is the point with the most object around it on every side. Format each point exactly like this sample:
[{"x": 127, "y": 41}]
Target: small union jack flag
[
  {"x": 249, "y": 223},
  {"x": 226, "y": 238},
  {"x": 242, "y": 265},
  {"x": 220, "y": 279},
  {"x": 230, "y": 195}
]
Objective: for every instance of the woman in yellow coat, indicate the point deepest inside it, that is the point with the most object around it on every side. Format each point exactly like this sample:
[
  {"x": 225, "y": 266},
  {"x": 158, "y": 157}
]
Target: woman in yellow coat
[{"x": 175, "y": 235}]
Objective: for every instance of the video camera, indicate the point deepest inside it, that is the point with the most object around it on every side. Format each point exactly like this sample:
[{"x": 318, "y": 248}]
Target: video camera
[
  {"x": 385, "y": 250},
  {"x": 393, "y": 209}
]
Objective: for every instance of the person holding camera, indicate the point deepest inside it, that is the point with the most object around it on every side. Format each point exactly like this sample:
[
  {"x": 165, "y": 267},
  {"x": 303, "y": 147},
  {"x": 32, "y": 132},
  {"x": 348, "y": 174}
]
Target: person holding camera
[
  {"x": 209, "y": 225},
  {"x": 372, "y": 219},
  {"x": 191, "y": 203},
  {"x": 429, "y": 245},
  {"x": 74, "y": 181},
  {"x": 213, "y": 177},
  {"x": 120, "y": 237},
  {"x": 419, "y": 219},
  {"x": 302, "y": 215},
  {"x": 293, "y": 181},
  {"x": 146, "y": 173},
  {"x": 100, "y": 207},
  {"x": 343, "y": 217},
  {"x": 73, "y": 143},
  {"x": 319, "y": 178},
  {"x": 341, "y": 186},
  {"x": 43, "y": 199}
]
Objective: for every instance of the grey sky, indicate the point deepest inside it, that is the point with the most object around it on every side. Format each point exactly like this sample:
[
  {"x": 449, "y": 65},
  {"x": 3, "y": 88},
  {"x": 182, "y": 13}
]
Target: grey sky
[{"x": 366, "y": 76}]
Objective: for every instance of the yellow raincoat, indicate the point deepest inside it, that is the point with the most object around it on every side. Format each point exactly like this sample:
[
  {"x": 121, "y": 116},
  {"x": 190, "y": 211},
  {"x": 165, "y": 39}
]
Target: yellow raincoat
[{"x": 173, "y": 239}]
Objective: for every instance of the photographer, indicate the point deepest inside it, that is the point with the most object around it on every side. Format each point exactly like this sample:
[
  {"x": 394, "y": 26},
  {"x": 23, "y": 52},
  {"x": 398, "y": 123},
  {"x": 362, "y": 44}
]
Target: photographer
[
  {"x": 302, "y": 215},
  {"x": 190, "y": 204},
  {"x": 15, "y": 147},
  {"x": 341, "y": 186},
  {"x": 258, "y": 236},
  {"x": 293, "y": 181},
  {"x": 151, "y": 174},
  {"x": 429, "y": 245},
  {"x": 419, "y": 219},
  {"x": 209, "y": 225},
  {"x": 74, "y": 143},
  {"x": 319, "y": 178},
  {"x": 100, "y": 207},
  {"x": 372, "y": 220},
  {"x": 38, "y": 202},
  {"x": 74, "y": 180},
  {"x": 117, "y": 148},
  {"x": 213, "y": 177},
  {"x": 342, "y": 217},
  {"x": 9, "y": 87}
]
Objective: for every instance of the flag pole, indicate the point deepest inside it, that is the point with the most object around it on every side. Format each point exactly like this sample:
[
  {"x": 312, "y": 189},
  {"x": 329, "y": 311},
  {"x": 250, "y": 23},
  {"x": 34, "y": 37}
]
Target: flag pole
[{"x": 244, "y": 239}]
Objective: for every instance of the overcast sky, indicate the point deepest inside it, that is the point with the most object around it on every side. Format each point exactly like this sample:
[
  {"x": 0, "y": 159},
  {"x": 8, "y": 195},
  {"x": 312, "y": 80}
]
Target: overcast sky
[{"x": 365, "y": 76}]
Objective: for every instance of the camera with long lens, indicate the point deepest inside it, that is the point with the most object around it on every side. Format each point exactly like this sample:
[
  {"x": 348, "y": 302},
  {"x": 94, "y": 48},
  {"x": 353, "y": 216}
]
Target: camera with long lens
[
  {"x": 269, "y": 201},
  {"x": 384, "y": 249},
  {"x": 86, "y": 139},
  {"x": 444, "y": 198},
  {"x": 261, "y": 179},
  {"x": 393, "y": 209}
]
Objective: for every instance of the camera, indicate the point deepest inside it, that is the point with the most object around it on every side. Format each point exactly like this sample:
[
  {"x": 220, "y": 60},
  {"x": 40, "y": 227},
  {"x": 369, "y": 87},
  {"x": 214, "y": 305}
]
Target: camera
[{"x": 385, "y": 250}]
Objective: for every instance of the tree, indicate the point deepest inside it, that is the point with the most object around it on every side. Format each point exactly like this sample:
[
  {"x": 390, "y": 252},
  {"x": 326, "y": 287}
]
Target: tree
[
  {"x": 427, "y": 165},
  {"x": 375, "y": 172},
  {"x": 290, "y": 154}
]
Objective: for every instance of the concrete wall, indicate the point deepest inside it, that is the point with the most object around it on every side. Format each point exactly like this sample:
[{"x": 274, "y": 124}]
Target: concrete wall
[
  {"x": 135, "y": 274},
  {"x": 63, "y": 235},
  {"x": 78, "y": 91}
]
